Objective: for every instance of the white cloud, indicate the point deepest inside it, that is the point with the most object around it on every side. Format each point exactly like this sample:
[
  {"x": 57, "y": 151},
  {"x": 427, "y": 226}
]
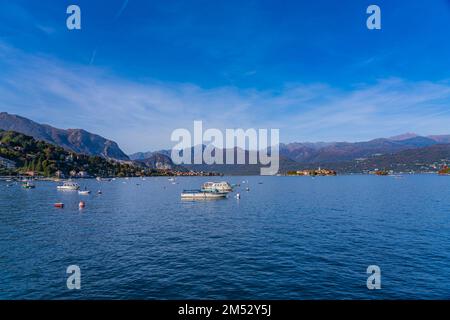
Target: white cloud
[{"x": 141, "y": 115}]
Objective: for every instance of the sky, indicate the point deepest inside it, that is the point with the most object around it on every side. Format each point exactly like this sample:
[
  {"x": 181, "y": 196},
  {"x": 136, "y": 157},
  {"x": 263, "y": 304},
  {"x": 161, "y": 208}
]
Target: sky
[{"x": 137, "y": 70}]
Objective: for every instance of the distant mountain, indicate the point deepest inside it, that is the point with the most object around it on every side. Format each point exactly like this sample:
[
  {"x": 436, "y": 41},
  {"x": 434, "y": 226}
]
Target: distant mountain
[
  {"x": 156, "y": 161},
  {"x": 140, "y": 155},
  {"x": 404, "y": 136},
  {"x": 20, "y": 153},
  {"x": 75, "y": 140},
  {"x": 346, "y": 151},
  {"x": 240, "y": 169},
  {"x": 341, "y": 156},
  {"x": 148, "y": 154},
  {"x": 418, "y": 142},
  {"x": 441, "y": 138},
  {"x": 410, "y": 135},
  {"x": 425, "y": 159},
  {"x": 231, "y": 169}
]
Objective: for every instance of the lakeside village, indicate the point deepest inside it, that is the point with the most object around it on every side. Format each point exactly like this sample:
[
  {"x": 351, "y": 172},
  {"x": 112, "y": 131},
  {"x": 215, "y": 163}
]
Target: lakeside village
[
  {"x": 445, "y": 170},
  {"x": 10, "y": 171},
  {"x": 23, "y": 156},
  {"x": 35, "y": 171}
]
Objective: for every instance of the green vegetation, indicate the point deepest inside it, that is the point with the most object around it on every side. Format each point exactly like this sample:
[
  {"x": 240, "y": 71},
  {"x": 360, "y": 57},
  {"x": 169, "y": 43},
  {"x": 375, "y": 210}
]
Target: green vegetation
[
  {"x": 444, "y": 170},
  {"x": 46, "y": 159}
]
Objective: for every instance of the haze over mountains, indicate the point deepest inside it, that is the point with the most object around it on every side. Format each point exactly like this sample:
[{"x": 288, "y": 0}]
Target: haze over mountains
[{"x": 408, "y": 147}]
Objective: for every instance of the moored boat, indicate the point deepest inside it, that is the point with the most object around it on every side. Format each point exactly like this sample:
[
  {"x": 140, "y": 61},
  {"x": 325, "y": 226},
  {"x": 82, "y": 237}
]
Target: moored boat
[
  {"x": 201, "y": 194},
  {"x": 69, "y": 186},
  {"x": 219, "y": 186},
  {"x": 28, "y": 185},
  {"x": 100, "y": 179}
]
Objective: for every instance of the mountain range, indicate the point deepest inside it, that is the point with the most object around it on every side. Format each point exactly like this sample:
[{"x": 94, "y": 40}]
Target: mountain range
[
  {"x": 156, "y": 160},
  {"x": 80, "y": 141},
  {"x": 75, "y": 140},
  {"x": 359, "y": 156},
  {"x": 347, "y": 156},
  {"x": 345, "y": 151}
]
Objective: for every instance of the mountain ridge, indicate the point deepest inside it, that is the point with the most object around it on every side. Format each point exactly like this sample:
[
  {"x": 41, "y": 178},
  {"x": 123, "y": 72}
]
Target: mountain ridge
[
  {"x": 75, "y": 140},
  {"x": 328, "y": 152},
  {"x": 291, "y": 154}
]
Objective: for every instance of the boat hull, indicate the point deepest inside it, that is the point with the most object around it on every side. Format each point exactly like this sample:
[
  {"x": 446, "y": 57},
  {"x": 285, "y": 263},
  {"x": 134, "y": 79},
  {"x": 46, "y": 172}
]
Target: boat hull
[
  {"x": 62, "y": 188},
  {"x": 202, "y": 195}
]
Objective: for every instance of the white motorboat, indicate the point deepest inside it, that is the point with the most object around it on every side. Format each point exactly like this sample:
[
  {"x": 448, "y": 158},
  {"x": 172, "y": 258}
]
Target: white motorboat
[
  {"x": 200, "y": 194},
  {"x": 69, "y": 186},
  {"x": 84, "y": 192},
  {"x": 100, "y": 179},
  {"x": 219, "y": 186}
]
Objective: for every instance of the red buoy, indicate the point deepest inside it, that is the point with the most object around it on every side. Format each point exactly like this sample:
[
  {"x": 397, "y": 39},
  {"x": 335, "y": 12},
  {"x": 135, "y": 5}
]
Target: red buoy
[{"x": 59, "y": 205}]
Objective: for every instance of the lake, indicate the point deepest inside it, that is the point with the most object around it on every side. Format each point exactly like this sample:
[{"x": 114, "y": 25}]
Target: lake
[{"x": 286, "y": 238}]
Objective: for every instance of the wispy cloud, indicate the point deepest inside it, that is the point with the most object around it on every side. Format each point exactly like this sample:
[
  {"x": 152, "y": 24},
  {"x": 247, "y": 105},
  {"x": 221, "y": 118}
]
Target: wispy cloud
[
  {"x": 94, "y": 54},
  {"x": 142, "y": 115},
  {"x": 122, "y": 9},
  {"x": 46, "y": 29}
]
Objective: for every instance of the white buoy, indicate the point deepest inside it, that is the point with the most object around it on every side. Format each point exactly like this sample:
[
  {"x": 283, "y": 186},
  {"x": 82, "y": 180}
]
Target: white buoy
[{"x": 238, "y": 196}]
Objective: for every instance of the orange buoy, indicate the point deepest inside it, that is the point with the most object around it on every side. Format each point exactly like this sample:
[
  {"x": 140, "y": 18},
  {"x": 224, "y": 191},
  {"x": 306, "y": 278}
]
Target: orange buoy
[{"x": 59, "y": 205}]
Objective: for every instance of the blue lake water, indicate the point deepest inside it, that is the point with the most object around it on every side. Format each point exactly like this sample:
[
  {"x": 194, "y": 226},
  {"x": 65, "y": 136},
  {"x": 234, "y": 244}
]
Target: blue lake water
[{"x": 287, "y": 238}]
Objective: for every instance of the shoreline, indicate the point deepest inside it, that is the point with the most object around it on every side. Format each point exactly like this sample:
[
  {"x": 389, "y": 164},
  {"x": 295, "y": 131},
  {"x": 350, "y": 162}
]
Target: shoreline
[{"x": 53, "y": 179}]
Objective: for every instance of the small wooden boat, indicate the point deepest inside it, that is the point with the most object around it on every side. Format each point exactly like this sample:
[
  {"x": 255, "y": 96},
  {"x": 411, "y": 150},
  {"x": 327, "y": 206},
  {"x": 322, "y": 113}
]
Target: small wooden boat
[{"x": 59, "y": 205}]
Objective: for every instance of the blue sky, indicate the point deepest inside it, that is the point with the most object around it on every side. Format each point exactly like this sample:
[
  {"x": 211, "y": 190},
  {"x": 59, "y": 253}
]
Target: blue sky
[{"x": 139, "y": 69}]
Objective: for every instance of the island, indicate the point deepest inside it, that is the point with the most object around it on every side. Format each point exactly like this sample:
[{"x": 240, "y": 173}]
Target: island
[
  {"x": 312, "y": 172},
  {"x": 444, "y": 171}
]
